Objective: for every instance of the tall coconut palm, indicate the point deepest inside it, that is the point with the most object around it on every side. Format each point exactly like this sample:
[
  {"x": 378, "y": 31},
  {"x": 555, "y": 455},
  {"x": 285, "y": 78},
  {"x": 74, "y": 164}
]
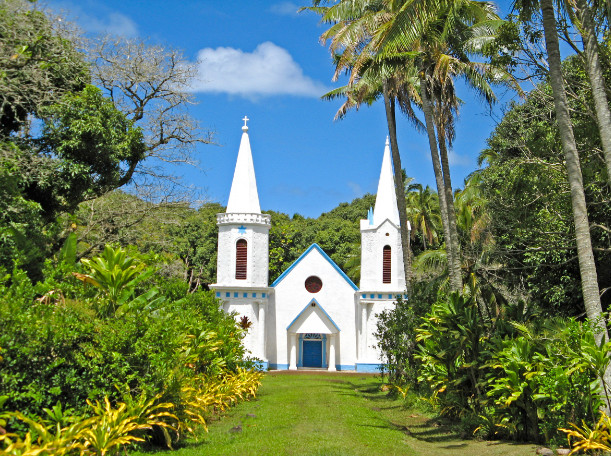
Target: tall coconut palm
[
  {"x": 441, "y": 50},
  {"x": 353, "y": 22},
  {"x": 582, "y": 15},
  {"x": 587, "y": 266},
  {"x": 406, "y": 34}
]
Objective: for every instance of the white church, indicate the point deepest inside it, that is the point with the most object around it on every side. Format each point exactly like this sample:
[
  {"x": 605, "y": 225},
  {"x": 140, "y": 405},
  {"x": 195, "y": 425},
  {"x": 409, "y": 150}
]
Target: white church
[{"x": 313, "y": 315}]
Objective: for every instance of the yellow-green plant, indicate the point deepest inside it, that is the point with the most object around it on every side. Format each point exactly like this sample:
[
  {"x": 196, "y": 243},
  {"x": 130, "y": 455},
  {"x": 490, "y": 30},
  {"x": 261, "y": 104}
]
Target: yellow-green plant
[
  {"x": 401, "y": 390},
  {"x": 207, "y": 395},
  {"x": 113, "y": 428},
  {"x": 106, "y": 432},
  {"x": 597, "y": 438},
  {"x": 150, "y": 413},
  {"x": 42, "y": 440}
]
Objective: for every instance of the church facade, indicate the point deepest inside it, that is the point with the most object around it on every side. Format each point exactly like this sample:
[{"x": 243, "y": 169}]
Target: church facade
[{"x": 313, "y": 315}]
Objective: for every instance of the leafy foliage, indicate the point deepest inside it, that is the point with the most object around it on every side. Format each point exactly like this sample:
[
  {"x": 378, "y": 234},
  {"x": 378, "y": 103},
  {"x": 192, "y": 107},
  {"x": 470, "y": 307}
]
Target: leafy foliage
[
  {"x": 68, "y": 347},
  {"x": 509, "y": 376},
  {"x": 525, "y": 188}
]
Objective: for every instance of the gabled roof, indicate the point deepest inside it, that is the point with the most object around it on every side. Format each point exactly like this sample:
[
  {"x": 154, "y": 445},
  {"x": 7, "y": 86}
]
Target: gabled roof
[
  {"x": 309, "y": 307},
  {"x": 243, "y": 197},
  {"x": 325, "y": 256}
]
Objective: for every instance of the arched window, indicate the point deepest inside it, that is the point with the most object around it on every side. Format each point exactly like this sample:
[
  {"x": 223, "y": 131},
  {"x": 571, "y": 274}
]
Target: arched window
[
  {"x": 241, "y": 256},
  {"x": 386, "y": 264}
]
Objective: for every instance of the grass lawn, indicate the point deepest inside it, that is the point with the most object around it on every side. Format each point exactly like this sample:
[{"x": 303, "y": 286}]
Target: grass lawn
[{"x": 315, "y": 413}]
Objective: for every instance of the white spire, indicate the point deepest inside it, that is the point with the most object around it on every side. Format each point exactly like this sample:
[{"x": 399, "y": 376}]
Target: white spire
[
  {"x": 243, "y": 197},
  {"x": 386, "y": 199}
]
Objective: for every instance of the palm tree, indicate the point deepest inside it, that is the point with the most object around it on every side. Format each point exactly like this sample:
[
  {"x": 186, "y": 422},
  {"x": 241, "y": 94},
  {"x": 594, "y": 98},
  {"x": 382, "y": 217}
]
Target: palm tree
[
  {"x": 587, "y": 266},
  {"x": 423, "y": 212},
  {"x": 584, "y": 20},
  {"x": 411, "y": 37},
  {"x": 440, "y": 50},
  {"x": 472, "y": 217},
  {"x": 351, "y": 19}
]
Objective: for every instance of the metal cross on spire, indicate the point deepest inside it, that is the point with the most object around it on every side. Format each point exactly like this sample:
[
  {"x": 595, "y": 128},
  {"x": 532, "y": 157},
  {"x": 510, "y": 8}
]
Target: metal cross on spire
[{"x": 245, "y": 119}]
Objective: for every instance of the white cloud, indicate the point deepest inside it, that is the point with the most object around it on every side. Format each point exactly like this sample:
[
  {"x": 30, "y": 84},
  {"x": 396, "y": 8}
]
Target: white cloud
[
  {"x": 285, "y": 9},
  {"x": 268, "y": 70}
]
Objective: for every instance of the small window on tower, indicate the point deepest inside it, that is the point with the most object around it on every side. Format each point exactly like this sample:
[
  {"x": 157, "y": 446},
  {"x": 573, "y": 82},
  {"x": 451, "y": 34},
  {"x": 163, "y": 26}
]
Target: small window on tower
[
  {"x": 241, "y": 257},
  {"x": 386, "y": 264}
]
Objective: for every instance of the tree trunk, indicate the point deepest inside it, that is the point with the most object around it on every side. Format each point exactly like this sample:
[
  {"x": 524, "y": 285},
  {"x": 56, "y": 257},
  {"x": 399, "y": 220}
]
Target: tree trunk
[
  {"x": 587, "y": 267},
  {"x": 455, "y": 272},
  {"x": 597, "y": 81},
  {"x": 389, "y": 104},
  {"x": 427, "y": 109}
]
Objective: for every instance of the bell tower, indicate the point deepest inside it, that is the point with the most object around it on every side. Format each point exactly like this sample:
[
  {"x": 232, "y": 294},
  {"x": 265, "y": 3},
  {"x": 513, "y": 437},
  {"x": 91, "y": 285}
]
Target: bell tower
[
  {"x": 381, "y": 251},
  {"x": 382, "y": 271},
  {"x": 243, "y": 251}
]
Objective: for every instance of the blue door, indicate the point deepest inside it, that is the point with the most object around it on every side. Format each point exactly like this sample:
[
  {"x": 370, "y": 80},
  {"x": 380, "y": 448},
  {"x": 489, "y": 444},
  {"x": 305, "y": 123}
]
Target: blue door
[{"x": 312, "y": 353}]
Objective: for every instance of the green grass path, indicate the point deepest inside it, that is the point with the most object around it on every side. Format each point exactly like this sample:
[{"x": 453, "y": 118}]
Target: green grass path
[{"x": 332, "y": 414}]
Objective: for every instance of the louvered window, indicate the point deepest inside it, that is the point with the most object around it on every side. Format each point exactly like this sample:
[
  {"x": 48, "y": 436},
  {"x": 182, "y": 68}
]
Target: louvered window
[
  {"x": 386, "y": 264},
  {"x": 241, "y": 257}
]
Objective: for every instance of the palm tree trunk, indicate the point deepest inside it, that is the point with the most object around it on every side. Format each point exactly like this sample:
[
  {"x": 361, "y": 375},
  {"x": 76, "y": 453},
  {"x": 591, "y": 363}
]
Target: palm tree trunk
[
  {"x": 427, "y": 109},
  {"x": 456, "y": 276},
  {"x": 597, "y": 81},
  {"x": 389, "y": 104},
  {"x": 587, "y": 266}
]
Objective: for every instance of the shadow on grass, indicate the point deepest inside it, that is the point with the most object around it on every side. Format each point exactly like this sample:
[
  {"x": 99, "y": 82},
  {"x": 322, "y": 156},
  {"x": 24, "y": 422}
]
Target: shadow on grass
[
  {"x": 364, "y": 390},
  {"x": 423, "y": 429}
]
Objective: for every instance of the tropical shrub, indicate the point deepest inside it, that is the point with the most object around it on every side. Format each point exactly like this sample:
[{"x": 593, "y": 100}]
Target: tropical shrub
[
  {"x": 396, "y": 333},
  {"x": 452, "y": 349},
  {"x": 76, "y": 342},
  {"x": 396, "y": 339},
  {"x": 585, "y": 438},
  {"x": 548, "y": 378},
  {"x": 508, "y": 375},
  {"x": 105, "y": 431}
]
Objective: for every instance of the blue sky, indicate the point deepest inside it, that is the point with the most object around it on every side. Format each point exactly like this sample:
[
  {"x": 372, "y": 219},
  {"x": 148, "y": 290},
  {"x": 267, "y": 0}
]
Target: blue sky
[{"x": 304, "y": 161}]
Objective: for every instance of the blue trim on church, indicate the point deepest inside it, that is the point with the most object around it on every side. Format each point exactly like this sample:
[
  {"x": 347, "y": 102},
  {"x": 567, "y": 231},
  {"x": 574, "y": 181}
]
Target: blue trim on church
[
  {"x": 369, "y": 368},
  {"x": 325, "y": 256},
  {"x": 321, "y": 308},
  {"x": 262, "y": 365}
]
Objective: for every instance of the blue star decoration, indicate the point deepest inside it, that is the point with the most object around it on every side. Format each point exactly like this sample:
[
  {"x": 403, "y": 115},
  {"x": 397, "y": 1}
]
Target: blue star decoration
[{"x": 242, "y": 230}]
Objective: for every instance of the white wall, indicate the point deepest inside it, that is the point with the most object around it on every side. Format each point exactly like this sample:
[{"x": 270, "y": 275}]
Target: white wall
[
  {"x": 373, "y": 241},
  {"x": 257, "y": 240},
  {"x": 337, "y": 298}
]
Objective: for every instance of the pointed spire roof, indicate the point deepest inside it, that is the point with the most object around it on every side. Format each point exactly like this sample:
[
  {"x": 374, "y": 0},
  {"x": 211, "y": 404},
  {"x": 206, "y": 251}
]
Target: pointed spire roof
[
  {"x": 243, "y": 197},
  {"x": 386, "y": 198}
]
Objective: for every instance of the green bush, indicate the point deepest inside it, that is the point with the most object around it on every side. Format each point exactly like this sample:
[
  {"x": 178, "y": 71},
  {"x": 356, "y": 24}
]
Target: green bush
[
  {"x": 59, "y": 344},
  {"x": 511, "y": 376}
]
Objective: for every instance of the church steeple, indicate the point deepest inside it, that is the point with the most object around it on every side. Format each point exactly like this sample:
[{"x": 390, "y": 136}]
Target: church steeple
[
  {"x": 243, "y": 249},
  {"x": 243, "y": 197},
  {"x": 382, "y": 269},
  {"x": 386, "y": 199}
]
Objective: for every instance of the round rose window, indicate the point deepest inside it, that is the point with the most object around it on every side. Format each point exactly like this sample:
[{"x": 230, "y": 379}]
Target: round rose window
[{"x": 313, "y": 284}]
